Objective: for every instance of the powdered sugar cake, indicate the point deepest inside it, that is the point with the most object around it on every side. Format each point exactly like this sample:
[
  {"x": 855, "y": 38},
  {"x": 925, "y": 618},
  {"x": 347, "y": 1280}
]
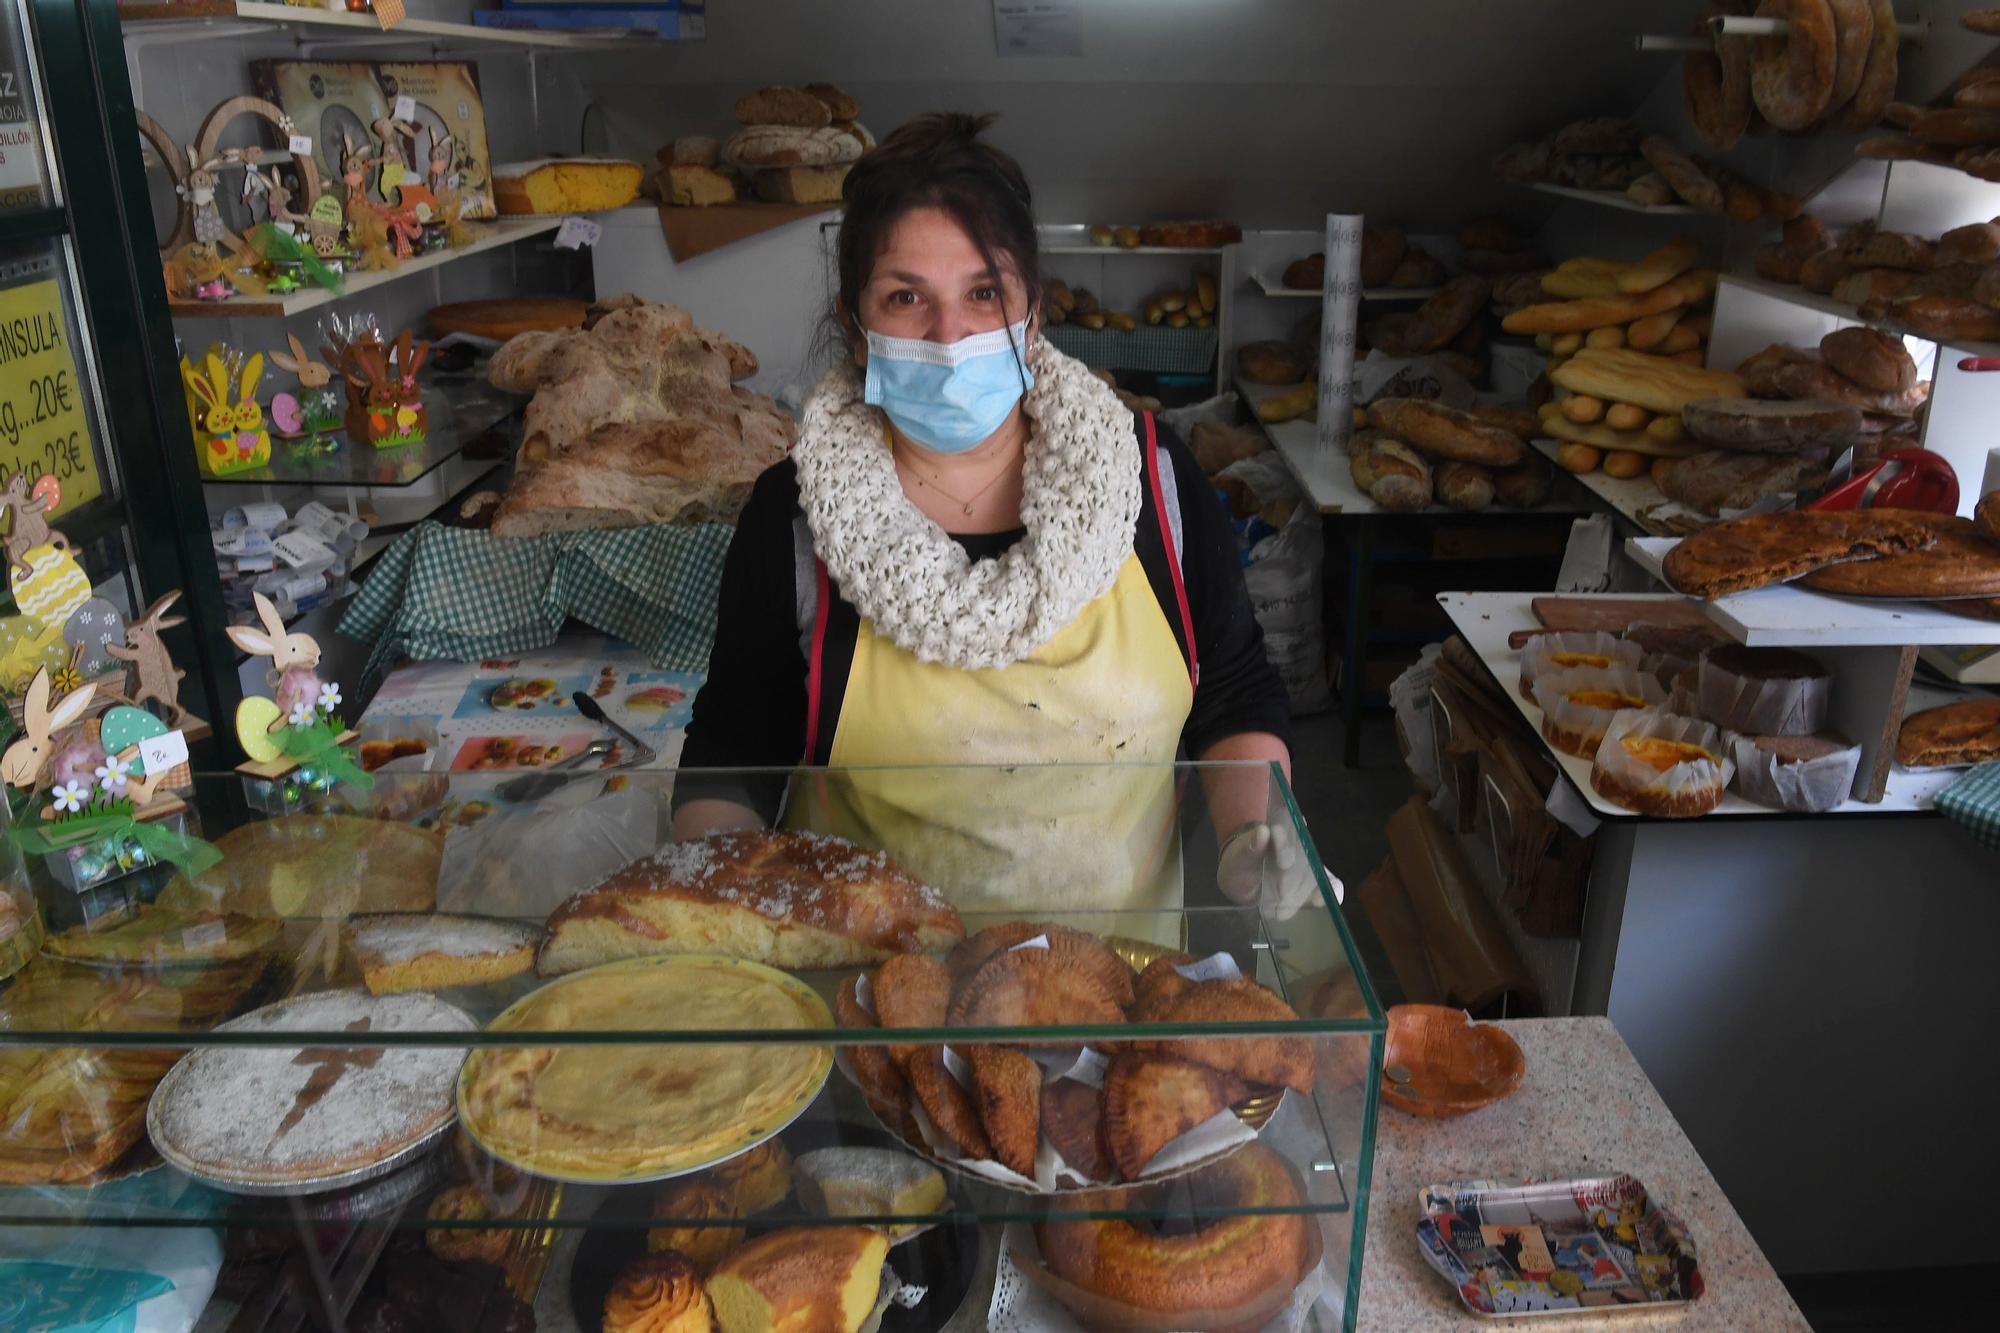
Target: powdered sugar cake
[
  {"x": 406, "y": 951},
  {"x": 789, "y": 899},
  {"x": 278, "y": 1119}
]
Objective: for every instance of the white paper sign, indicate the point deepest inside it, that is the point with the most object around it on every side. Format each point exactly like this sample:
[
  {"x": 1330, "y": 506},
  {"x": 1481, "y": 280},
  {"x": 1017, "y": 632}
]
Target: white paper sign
[
  {"x": 1038, "y": 27},
  {"x": 299, "y": 549},
  {"x": 301, "y": 145},
  {"x": 406, "y": 108},
  {"x": 576, "y": 233},
  {"x": 1340, "y": 308},
  {"x": 1215, "y": 967},
  {"x": 158, "y": 754}
]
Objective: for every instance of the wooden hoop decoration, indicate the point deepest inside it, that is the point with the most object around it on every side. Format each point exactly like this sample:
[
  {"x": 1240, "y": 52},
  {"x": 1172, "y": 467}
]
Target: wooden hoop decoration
[
  {"x": 208, "y": 140},
  {"x": 170, "y": 155}
]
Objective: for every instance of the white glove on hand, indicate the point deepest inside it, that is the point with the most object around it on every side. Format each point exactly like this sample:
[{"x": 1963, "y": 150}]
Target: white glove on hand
[{"x": 1264, "y": 864}]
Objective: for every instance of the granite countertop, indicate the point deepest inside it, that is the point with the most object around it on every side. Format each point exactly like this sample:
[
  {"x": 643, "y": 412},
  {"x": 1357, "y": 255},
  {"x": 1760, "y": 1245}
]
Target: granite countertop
[{"x": 1584, "y": 1108}]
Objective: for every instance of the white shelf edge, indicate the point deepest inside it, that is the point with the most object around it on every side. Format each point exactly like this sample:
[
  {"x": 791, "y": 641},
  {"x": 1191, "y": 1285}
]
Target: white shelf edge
[
  {"x": 1615, "y": 199},
  {"x": 1793, "y": 294},
  {"x": 1324, "y": 479},
  {"x": 366, "y": 26},
  {"x": 1485, "y": 619},
  {"x": 1783, "y": 616},
  {"x": 1278, "y": 289},
  {"x": 506, "y": 231}
]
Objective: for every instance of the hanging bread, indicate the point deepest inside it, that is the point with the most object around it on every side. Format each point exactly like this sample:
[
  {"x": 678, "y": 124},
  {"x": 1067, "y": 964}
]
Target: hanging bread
[{"x": 1791, "y": 75}]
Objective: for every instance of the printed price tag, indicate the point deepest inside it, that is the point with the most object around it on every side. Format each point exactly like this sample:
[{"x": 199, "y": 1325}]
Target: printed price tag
[
  {"x": 577, "y": 232},
  {"x": 298, "y": 549},
  {"x": 161, "y": 754},
  {"x": 406, "y": 107},
  {"x": 301, "y": 145}
]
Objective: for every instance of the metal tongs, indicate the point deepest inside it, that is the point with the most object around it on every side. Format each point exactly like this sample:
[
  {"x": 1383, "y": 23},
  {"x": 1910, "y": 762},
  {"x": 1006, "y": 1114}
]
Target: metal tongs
[{"x": 534, "y": 786}]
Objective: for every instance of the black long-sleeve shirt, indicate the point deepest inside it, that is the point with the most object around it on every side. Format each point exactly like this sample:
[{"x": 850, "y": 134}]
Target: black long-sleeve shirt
[{"x": 751, "y": 712}]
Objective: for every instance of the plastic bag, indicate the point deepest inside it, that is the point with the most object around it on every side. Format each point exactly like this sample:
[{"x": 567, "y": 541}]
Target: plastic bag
[
  {"x": 1410, "y": 702},
  {"x": 527, "y": 862},
  {"x": 1285, "y": 579},
  {"x": 1181, "y": 420}
]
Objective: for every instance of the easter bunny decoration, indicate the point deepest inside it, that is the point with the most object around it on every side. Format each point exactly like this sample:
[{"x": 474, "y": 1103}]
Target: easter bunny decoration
[
  {"x": 232, "y": 435},
  {"x": 27, "y": 759},
  {"x": 30, "y": 526},
  {"x": 293, "y": 659},
  {"x": 316, "y": 409},
  {"x": 156, "y": 676}
]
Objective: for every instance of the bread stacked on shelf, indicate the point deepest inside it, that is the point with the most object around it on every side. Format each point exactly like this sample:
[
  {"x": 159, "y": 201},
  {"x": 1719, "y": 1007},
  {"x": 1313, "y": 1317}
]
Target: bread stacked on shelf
[
  {"x": 1801, "y": 407},
  {"x": 1833, "y": 70},
  {"x": 1190, "y": 306},
  {"x": 1206, "y": 234},
  {"x": 635, "y": 420},
  {"x": 1625, "y": 355},
  {"x": 1948, "y": 288},
  {"x": 1613, "y": 155},
  {"x": 794, "y": 147},
  {"x": 1415, "y": 453},
  {"x": 1389, "y": 258},
  {"x": 1965, "y": 135}
]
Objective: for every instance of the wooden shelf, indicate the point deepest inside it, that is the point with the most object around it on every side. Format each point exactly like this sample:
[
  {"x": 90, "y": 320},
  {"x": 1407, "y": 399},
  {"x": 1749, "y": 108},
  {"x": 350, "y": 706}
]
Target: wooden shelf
[
  {"x": 491, "y": 236},
  {"x": 1485, "y": 619},
  {"x": 1785, "y": 616},
  {"x": 1615, "y": 199},
  {"x": 145, "y": 22}
]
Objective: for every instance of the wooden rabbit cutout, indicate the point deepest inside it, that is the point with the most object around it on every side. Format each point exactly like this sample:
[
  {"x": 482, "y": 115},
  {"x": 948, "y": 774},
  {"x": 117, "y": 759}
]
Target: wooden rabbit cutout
[
  {"x": 311, "y": 374},
  {"x": 30, "y": 526},
  {"x": 156, "y": 677},
  {"x": 27, "y": 758},
  {"x": 285, "y": 650}
]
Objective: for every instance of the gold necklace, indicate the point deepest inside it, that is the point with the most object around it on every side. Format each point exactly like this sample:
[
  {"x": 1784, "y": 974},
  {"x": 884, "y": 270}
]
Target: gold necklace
[{"x": 964, "y": 503}]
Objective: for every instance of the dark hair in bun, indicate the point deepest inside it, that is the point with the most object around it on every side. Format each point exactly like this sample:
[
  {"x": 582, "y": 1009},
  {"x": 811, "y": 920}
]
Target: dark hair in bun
[{"x": 938, "y": 161}]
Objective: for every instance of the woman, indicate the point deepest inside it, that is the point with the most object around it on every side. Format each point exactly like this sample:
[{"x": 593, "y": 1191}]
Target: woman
[{"x": 978, "y": 556}]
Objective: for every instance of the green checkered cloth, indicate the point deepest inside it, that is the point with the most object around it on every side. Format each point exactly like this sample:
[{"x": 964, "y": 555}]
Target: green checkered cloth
[
  {"x": 461, "y": 595},
  {"x": 1974, "y": 802}
]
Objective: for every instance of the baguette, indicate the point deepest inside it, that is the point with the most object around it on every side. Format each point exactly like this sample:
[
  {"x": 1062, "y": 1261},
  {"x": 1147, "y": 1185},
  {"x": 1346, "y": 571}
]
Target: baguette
[
  {"x": 1646, "y": 334},
  {"x": 1566, "y": 344},
  {"x": 1611, "y": 335},
  {"x": 1584, "y": 277},
  {"x": 1624, "y": 464},
  {"x": 1603, "y": 437},
  {"x": 1680, "y": 338},
  {"x": 1580, "y": 316},
  {"x": 1582, "y": 408},
  {"x": 1655, "y": 383},
  {"x": 1662, "y": 266},
  {"x": 1574, "y": 457},
  {"x": 1626, "y": 416},
  {"x": 1402, "y": 481}
]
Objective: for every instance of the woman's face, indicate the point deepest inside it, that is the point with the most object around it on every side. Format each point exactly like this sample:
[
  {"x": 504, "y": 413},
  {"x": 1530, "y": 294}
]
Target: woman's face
[{"x": 931, "y": 282}]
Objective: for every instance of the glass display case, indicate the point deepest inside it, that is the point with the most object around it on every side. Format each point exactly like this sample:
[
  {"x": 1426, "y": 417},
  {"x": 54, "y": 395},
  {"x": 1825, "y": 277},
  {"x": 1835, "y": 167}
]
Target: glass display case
[{"x": 978, "y": 1047}]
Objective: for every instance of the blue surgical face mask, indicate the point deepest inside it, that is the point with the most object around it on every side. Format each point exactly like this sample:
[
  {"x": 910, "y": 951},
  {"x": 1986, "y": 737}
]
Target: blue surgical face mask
[{"x": 948, "y": 396}]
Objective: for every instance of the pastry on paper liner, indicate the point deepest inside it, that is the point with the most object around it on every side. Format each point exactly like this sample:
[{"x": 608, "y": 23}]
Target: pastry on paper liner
[
  {"x": 1621, "y": 773},
  {"x": 1811, "y": 785},
  {"x": 1762, "y": 691},
  {"x": 1575, "y": 650},
  {"x": 1578, "y": 703}
]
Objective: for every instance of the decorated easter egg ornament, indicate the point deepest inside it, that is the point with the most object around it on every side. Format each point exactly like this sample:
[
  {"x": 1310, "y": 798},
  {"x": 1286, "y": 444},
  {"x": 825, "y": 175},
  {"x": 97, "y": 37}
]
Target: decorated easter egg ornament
[
  {"x": 47, "y": 492},
  {"x": 54, "y": 588},
  {"x": 254, "y": 717},
  {"x": 125, "y": 726}
]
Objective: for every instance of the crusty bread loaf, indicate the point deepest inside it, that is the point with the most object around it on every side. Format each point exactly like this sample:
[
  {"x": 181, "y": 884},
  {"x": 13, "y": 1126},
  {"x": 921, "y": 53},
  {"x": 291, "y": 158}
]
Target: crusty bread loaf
[
  {"x": 838, "y": 104},
  {"x": 789, "y": 146},
  {"x": 792, "y": 900},
  {"x": 800, "y": 185},
  {"x": 783, "y": 106},
  {"x": 800, "y": 1280},
  {"x": 698, "y": 187}
]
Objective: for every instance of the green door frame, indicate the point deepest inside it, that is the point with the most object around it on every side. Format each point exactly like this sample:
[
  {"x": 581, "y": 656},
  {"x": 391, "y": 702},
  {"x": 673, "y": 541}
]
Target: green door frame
[{"x": 107, "y": 215}]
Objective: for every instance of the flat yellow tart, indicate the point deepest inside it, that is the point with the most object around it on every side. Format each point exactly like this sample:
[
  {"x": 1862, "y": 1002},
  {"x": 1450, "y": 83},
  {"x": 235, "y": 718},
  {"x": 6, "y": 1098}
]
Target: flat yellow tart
[{"x": 593, "y": 1112}]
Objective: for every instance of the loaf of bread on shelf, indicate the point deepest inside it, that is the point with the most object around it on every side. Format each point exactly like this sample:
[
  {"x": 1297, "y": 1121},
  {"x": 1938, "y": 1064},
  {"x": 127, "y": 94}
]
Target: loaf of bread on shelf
[
  {"x": 792, "y": 900},
  {"x": 696, "y": 186},
  {"x": 795, "y": 107},
  {"x": 787, "y": 146},
  {"x": 566, "y": 185}
]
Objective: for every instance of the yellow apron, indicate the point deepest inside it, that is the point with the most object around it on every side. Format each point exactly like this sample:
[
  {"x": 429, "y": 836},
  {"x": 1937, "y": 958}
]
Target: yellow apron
[{"x": 1065, "y": 830}]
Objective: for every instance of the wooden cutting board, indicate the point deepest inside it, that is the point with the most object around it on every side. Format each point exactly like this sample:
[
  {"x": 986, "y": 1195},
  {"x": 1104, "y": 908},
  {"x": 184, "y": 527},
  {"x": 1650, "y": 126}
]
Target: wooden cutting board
[{"x": 1610, "y": 614}]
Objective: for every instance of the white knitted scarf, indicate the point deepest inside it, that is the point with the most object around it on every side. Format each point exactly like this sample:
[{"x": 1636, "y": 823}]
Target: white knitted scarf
[{"x": 912, "y": 582}]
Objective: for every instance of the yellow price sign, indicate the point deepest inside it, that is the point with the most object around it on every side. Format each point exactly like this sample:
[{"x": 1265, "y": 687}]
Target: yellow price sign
[{"x": 44, "y": 424}]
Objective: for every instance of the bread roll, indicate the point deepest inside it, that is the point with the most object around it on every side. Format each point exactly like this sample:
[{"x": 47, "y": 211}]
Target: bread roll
[
  {"x": 1526, "y": 486},
  {"x": 1401, "y": 478},
  {"x": 1466, "y": 486},
  {"x": 783, "y": 106},
  {"x": 839, "y": 105}
]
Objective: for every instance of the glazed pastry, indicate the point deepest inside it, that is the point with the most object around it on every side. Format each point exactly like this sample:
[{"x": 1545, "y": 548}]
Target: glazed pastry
[
  {"x": 792, "y": 900},
  {"x": 1054, "y": 987},
  {"x": 462, "y": 1203},
  {"x": 759, "y": 1179},
  {"x": 659, "y": 1293},
  {"x": 685, "y": 1202},
  {"x": 801, "y": 1280},
  {"x": 969, "y": 955}
]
